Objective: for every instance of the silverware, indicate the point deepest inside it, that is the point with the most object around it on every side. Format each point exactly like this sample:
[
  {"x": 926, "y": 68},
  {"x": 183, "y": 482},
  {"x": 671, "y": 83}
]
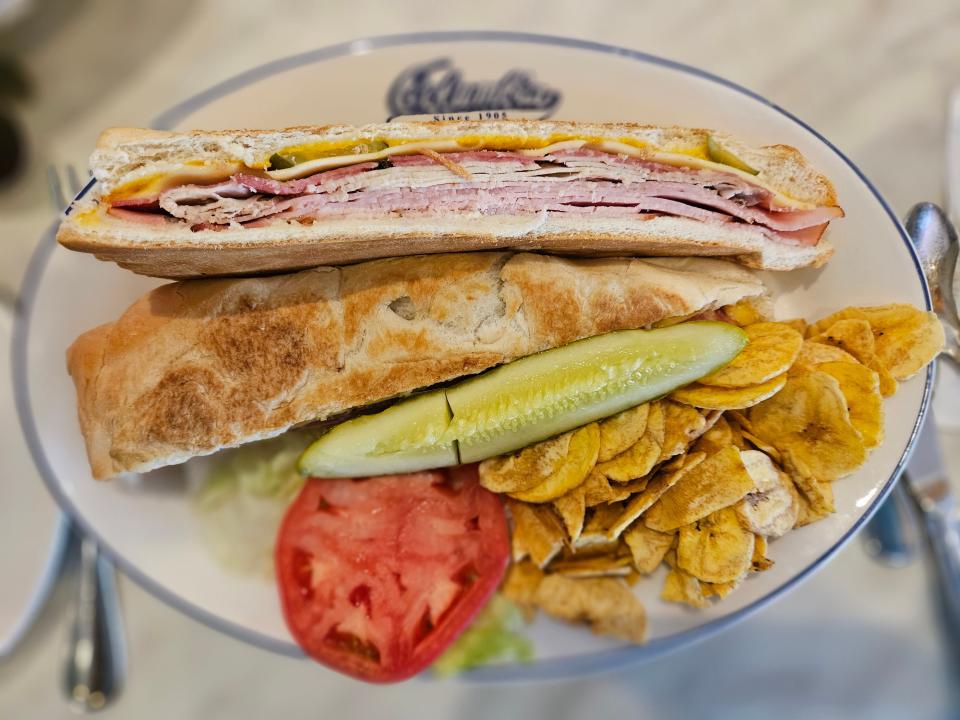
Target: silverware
[
  {"x": 892, "y": 535},
  {"x": 927, "y": 478},
  {"x": 95, "y": 659},
  {"x": 926, "y": 474},
  {"x": 936, "y": 241},
  {"x": 95, "y": 656}
]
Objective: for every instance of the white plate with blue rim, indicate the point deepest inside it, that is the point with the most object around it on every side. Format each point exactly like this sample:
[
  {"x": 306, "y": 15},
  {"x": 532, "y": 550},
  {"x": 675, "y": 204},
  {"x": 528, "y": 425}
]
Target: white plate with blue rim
[
  {"x": 33, "y": 531},
  {"x": 148, "y": 524}
]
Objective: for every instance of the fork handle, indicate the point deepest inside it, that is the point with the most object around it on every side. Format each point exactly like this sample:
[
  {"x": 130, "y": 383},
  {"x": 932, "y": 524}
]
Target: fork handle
[{"x": 92, "y": 673}]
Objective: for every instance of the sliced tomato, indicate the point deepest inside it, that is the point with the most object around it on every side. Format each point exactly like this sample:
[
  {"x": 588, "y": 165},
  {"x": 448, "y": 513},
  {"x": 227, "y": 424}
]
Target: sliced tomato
[{"x": 379, "y": 575}]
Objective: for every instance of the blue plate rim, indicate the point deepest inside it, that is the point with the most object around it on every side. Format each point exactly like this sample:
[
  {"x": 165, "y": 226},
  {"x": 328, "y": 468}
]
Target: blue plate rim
[{"x": 550, "y": 669}]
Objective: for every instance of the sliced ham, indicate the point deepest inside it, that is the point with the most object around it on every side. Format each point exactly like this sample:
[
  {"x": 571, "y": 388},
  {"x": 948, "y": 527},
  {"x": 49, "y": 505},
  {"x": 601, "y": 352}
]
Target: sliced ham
[
  {"x": 140, "y": 203},
  {"x": 141, "y": 218},
  {"x": 573, "y": 181}
]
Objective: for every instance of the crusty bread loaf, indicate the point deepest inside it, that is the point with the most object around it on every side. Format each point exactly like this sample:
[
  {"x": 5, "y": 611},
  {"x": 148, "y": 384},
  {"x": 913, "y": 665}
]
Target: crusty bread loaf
[
  {"x": 126, "y": 155},
  {"x": 194, "y": 367}
]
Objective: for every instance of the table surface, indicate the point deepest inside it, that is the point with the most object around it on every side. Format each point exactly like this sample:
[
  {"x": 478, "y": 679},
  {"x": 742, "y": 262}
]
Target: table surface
[{"x": 857, "y": 640}]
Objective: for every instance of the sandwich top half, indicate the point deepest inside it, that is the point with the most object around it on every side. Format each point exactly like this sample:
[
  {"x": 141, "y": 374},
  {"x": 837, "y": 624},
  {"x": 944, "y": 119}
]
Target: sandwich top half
[{"x": 246, "y": 202}]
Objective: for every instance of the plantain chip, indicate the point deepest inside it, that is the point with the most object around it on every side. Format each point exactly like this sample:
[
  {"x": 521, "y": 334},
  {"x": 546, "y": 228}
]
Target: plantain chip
[
  {"x": 596, "y": 531},
  {"x": 744, "y": 313},
  {"x": 668, "y": 476},
  {"x": 808, "y": 512},
  {"x": 752, "y": 440},
  {"x": 861, "y": 388},
  {"x": 682, "y": 587},
  {"x": 718, "y": 398},
  {"x": 821, "y": 325},
  {"x": 682, "y": 425},
  {"x": 809, "y": 420},
  {"x": 906, "y": 337},
  {"x": 717, "y": 482},
  {"x": 760, "y": 561},
  {"x": 572, "y": 509},
  {"x": 813, "y": 353},
  {"x": 771, "y": 350},
  {"x": 647, "y": 547},
  {"x": 771, "y": 508},
  {"x": 530, "y": 467},
  {"x": 716, "y": 438},
  {"x": 536, "y": 533},
  {"x": 798, "y": 324},
  {"x": 621, "y": 431},
  {"x": 520, "y": 586},
  {"x": 575, "y": 465},
  {"x": 670, "y": 557},
  {"x": 716, "y": 548},
  {"x": 526, "y": 469},
  {"x": 720, "y": 590},
  {"x": 599, "y": 566},
  {"x": 597, "y": 489},
  {"x": 711, "y": 418},
  {"x": 607, "y": 605},
  {"x": 816, "y": 495},
  {"x": 888, "y": 384},
  {"x": 640, "y": 458},
  {"x": 854, "y": 335}
]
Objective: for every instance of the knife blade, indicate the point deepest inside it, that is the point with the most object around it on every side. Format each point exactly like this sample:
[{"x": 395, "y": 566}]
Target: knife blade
[
  {"x": 926, "y": 476},
  {"x": 926, "y": 472}
]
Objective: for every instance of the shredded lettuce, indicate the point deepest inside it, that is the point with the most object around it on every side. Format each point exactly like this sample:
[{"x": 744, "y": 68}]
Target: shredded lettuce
[
  {"x": 240, "y": 496},
  {"x": 493, "y": 636}
]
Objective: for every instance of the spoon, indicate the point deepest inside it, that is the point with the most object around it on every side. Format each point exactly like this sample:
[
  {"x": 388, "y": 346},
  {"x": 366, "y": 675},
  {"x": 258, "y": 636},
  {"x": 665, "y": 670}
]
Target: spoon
[{"x": 936, "y": 241}]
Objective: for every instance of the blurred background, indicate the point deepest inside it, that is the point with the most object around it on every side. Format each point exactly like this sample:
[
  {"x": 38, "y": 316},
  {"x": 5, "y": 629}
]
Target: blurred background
[{"x": 860, "y": 639}]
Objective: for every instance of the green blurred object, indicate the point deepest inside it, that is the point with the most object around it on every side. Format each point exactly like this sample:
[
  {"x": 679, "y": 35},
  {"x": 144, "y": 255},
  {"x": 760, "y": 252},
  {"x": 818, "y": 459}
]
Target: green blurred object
[
  {"x": 494, "y": 636},
  {"x": 242, "y": 498}
]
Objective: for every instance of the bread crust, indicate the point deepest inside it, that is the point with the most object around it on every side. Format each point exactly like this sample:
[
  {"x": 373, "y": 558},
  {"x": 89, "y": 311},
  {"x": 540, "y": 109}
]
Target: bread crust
[
  {"x": 194, "y": 367},
  {"x": 180, "y": 254}
]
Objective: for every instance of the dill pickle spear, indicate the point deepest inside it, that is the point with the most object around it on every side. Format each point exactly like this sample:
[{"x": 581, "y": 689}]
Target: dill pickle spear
[
  {"x": 406, "y": 437},
  {"x": 525, "y": 401},
  {"x": 543, "y": 395},
  {"x": 718, "y": 153}
]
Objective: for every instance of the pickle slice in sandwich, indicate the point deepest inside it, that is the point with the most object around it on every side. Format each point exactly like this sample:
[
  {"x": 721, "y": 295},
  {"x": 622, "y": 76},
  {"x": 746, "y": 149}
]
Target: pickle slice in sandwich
[
  {"x": 723, "y": 155},
  {"x": 524, "y": 401}
]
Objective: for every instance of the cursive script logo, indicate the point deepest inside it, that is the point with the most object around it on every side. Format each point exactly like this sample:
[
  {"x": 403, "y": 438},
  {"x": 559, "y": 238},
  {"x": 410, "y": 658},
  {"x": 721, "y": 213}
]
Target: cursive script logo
[{"x": 438, "y": 87}]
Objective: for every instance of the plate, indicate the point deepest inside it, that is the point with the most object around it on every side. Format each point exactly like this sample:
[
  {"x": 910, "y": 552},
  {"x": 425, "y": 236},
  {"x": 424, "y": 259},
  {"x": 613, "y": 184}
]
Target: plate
[
  {"x": 146, "y": 524},
  {"x": 32, "y": 528}
]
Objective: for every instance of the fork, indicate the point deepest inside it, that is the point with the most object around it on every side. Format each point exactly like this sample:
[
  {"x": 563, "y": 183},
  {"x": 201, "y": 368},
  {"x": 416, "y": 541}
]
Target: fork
[{"x": 95, "y": 659}]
